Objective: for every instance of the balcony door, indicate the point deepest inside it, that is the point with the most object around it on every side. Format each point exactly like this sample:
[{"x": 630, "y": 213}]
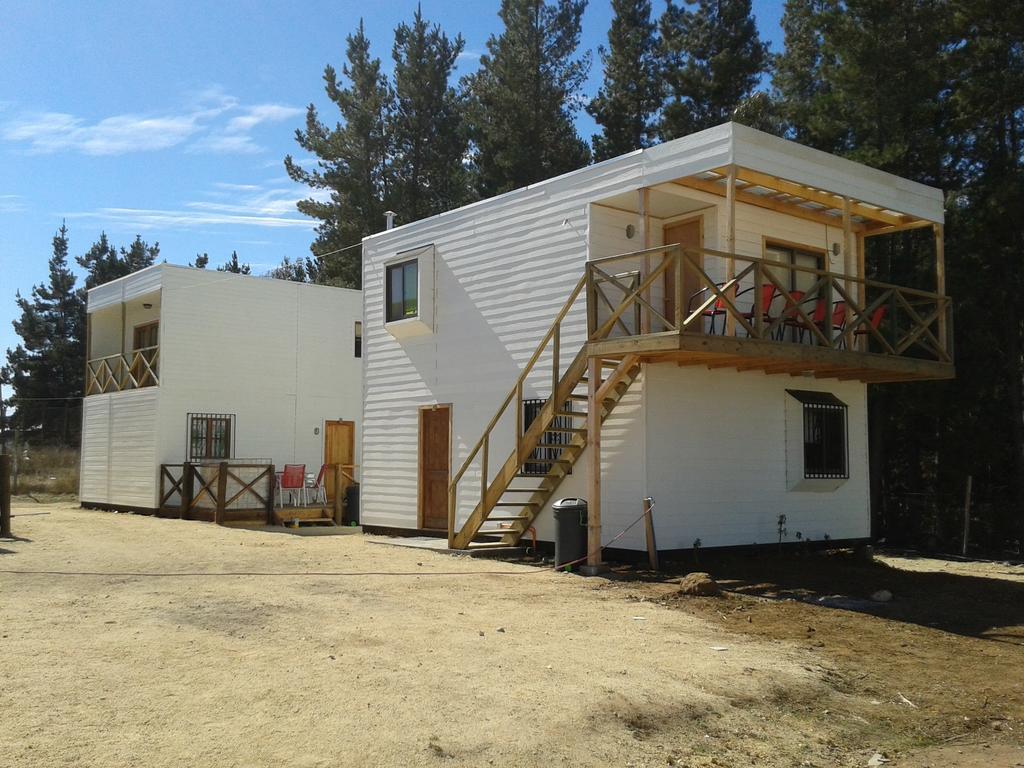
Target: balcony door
[
  {"x": 143, "y": 362},
  {"x": 689, "y": 234}
]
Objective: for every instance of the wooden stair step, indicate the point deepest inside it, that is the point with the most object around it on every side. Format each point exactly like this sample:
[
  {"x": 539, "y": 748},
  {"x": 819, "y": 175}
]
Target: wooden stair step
[
  {"x": 487, "y": 545},
  {"x": 572, "y": 414},
  {"x": 565, "y": 429},
  {"x": 539, "y": 489},
  {"x": 495, "y": 519},
  {"x": 516, "y": 504},
  {"x": 557, "y": 445},
  {"x": 497, "y": 532}
]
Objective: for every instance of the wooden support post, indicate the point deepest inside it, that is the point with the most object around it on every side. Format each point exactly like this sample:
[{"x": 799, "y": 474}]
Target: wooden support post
[
  {"x": 643, "y": 209},
  {"x": 222, "y": 492},
  {"x": 271, "y": 490},
  {"x": 339, "y": 493},
  {"x": 187, "y": 490},
  {"x": 861, "y": 289},
  {"x": 594, "y": 449},
  {"x": 483, "y": 467},
  {"x": 848, "y": 266},
  {"x": 5, "y": 495},
  {"x": 519, "y": 418},
  {"x": 940, "y": 282},
  {"x": 556, "y": 344},
  {"x": 967, "y": 516},
  {"x": 759, "y": 307},
  {"x": 730, "y": 238},
  {"x": 652, "y": 544}
]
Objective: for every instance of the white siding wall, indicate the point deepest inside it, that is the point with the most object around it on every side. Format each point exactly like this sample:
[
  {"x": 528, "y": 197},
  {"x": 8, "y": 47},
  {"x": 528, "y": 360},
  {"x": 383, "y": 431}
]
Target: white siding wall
[
  {"x": 119, "y": 441},
  {"x": 277, "y": 355},
  {"x": 503, "y": 269}
]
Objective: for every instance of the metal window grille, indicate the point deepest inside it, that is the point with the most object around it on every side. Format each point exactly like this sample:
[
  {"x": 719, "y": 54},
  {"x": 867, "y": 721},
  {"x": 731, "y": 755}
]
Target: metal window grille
[
  {"x": 210, "y": 436},
  {"x": 825, "y": 435},
  {"x": 541, "y": 458}
]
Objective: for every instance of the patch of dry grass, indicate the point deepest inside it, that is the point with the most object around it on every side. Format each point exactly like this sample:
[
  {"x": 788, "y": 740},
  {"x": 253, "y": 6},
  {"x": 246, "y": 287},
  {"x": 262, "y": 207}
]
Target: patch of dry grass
[{"x": 47, "y": 470}]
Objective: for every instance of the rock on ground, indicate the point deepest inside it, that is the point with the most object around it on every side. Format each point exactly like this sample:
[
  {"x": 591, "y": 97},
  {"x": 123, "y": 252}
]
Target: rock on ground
[{"x": 698, "y": 584}]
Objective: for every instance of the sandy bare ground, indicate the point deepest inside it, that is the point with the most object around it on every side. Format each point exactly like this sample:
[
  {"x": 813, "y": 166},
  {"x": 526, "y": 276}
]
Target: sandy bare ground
[{"x": 131, "y": 641}]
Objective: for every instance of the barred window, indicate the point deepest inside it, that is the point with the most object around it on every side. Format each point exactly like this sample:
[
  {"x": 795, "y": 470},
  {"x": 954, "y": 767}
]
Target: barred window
[
  {"x": 824, "y": 433},
  {"x": 210, "y": 436}
]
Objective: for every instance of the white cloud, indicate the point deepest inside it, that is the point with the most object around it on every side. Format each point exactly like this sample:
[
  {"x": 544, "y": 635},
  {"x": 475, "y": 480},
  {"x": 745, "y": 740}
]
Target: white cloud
[
  {"x": 51, "y": 132},
  {"x": 251, "y": 205},
  {"x": 12, "y": 204}
]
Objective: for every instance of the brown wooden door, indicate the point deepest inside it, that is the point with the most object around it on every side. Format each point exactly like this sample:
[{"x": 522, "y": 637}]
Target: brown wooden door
[
  {"x": 339, "y": 448},
  {"x": 689, "y": 235},
  {"x": 435, "y": 466}
]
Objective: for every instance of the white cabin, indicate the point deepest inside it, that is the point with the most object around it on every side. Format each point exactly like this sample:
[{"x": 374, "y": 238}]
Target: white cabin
[
  {"x": 190, "y": 365},
  {"x": 702, "y": 314}
]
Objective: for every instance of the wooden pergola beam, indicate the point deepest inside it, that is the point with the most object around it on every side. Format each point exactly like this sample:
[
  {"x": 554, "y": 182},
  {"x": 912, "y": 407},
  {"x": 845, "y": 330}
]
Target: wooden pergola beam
[
  {"x": 829, "y": 199},
  {"x": 714, "y": 188}
]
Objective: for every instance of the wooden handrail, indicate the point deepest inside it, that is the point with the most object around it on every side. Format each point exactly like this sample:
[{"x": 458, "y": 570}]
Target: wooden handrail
[
  {"x": 482, "y": 445},
  {"x": 915, "y": 308},
  {"x": 123, "y": 371}
]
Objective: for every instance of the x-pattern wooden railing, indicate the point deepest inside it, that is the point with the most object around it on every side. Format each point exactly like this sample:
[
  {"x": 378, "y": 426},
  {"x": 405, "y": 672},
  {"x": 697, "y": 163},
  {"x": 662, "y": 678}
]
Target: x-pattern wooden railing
[
  {"x": 882, "y": 318},
  {"x": 204, "y": 487},
  {"x": 120, "y": 372}
]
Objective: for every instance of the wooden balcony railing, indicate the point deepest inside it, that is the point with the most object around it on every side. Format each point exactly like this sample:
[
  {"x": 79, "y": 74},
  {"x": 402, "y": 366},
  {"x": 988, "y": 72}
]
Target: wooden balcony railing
[
  {"x": 118, "y": 373},
  {"x": 703, "y": 291}
]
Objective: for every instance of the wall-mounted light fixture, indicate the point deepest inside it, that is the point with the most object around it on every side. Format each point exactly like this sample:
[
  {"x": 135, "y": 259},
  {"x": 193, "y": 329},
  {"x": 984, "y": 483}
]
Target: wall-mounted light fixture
[
  {"x": 147, "y": 305},
  {"x": 835, "y": 249},
  {"x": 630, "y": 231}
]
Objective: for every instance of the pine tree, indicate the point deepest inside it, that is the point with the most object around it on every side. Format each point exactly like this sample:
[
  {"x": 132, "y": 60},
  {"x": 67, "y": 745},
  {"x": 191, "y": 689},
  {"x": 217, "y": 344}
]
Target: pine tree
[
  {"x": 628, "y": 102},
  {"x": 294, "y": 271},
  {"x": 45, "y": 370},
  {"x": 139, "y": 255},
  {"x": 234, "y": 266},
  {"x": 427, "y": 129},
  {"x": 713, "y": 60},
  {"x": 201, "y": 262},
  {"x": 797, "y": 81},
  {"x": 523, "y": 98},
  {"x": 351, "y": 161},
  {"x": 103, "y": 262}
]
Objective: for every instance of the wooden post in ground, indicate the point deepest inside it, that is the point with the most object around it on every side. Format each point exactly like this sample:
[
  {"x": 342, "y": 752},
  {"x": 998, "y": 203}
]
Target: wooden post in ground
[
  {"x": 652, "y": 544},
  {"x": 5, "y": 495},
  {"x": 222, "y": 492},
  {"x": 339, "y": 495},
  {"x": 271, "y": 490},
  {"x": 967, "y": 515},
  {"x": 643, "y": 219},
  {"x": 594, "y": 446},
  {"x": 187, "y": 490}
]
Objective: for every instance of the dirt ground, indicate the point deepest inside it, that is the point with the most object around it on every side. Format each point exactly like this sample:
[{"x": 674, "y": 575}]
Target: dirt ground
[{"x": 132, "y": 641}]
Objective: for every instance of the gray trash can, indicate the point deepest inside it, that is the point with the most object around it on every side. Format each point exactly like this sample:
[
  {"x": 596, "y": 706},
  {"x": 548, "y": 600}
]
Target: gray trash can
[{"x": 570, "y": 530}]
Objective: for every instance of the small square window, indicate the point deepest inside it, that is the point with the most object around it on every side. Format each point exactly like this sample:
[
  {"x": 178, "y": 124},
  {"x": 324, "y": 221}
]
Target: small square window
[
  {"x": 402, "y": 290},
  {"x": 359, "y": 339},
  {"x": 824, "y": 435},
  {"x": 210, "y": 435}
]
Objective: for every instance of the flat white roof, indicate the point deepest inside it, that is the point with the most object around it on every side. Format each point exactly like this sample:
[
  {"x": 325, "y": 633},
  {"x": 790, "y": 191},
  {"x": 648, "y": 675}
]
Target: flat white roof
[
  {"x": 715, "y": 148},
  {"x": 150, "y": 279}
]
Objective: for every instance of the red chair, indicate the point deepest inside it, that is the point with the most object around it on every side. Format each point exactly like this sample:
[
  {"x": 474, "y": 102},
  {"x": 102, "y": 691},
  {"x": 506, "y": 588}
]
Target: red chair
[
  {"x": 715, "y": 310},
  {"x": 317, "y": 488},
  {"x": 875, "y": 321},
  {"x": 790, "y": 317},
  {"x": 293, "y": 482},
  {"x": 768, "y": 293}
]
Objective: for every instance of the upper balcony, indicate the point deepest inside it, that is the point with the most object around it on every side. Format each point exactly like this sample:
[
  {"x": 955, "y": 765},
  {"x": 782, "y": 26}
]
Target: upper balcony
[
  {"x": 696, "y": 306},
  {"x": 123, "y": 334}
]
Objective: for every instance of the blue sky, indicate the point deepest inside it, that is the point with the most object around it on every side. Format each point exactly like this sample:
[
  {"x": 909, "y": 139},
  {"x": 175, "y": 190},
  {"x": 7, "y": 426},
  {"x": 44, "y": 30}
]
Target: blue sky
[{"x": 170, "y": 120}]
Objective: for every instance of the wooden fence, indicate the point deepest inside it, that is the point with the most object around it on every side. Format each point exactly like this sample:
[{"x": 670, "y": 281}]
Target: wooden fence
[{"x": 229, "y": 492}]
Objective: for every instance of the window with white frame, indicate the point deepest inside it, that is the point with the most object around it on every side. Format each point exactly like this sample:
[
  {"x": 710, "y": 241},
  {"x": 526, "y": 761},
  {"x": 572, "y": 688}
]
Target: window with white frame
[{"x": 402, "y": 290}]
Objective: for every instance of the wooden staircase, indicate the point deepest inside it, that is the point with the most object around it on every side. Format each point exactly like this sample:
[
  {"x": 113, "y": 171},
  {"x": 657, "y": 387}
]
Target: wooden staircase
[{"x": 510, "y": 501}]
